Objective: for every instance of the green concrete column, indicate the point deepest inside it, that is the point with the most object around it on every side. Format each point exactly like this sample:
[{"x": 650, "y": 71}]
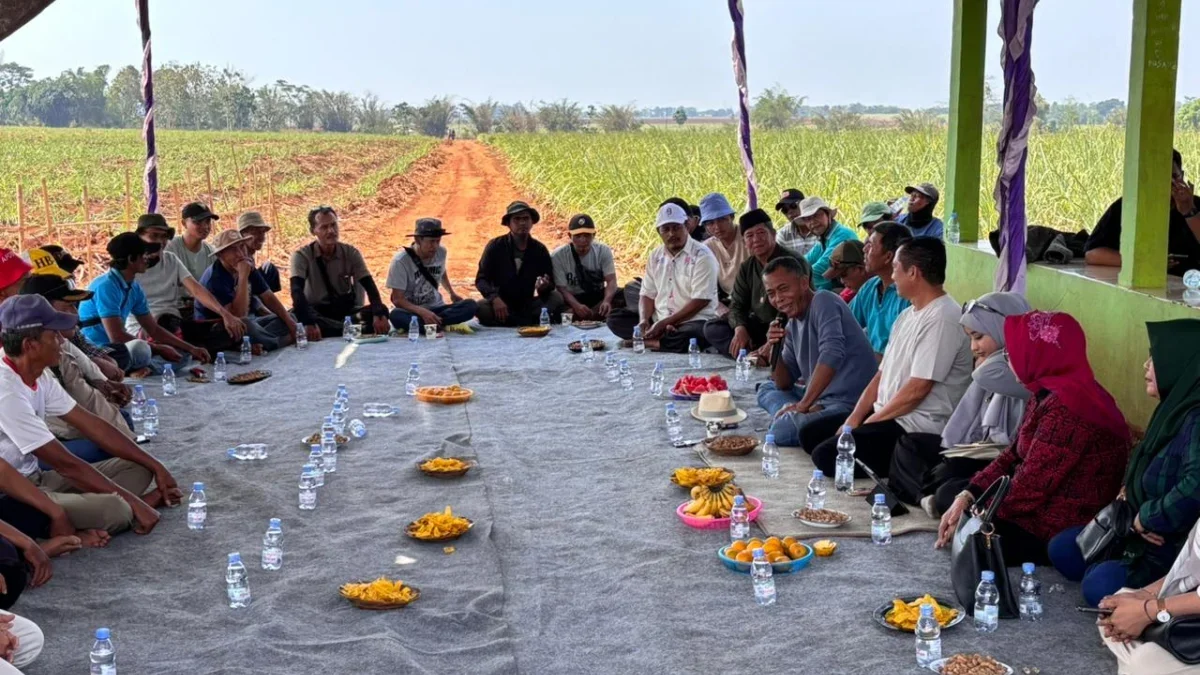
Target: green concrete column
[
  {"x": 1149, "y": 131},
  {"x": 966, "y": 116}
]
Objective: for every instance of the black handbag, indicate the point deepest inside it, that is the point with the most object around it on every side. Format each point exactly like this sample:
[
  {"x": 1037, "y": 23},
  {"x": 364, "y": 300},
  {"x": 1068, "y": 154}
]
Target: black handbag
[
  {"x": 976, "y": 548},
  {"x": 1180, "y": 637},
  {"x": 1104, "y": 537}
]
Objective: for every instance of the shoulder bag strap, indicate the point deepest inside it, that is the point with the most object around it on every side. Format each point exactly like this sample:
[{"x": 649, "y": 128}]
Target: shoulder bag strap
[
  {"x": 330, "y": 289},
  {"x": 584, "y": 281},
  {"x": 421, "y": 267}
]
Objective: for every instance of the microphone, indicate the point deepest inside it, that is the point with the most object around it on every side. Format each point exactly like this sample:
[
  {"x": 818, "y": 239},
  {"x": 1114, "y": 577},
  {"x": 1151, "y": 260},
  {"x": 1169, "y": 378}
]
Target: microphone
[{"x": 777, "y": 351}]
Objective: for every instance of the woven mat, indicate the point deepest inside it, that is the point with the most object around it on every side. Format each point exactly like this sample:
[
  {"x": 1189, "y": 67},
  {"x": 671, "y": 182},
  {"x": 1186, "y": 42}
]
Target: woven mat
[{"x": 786, "y": 494}]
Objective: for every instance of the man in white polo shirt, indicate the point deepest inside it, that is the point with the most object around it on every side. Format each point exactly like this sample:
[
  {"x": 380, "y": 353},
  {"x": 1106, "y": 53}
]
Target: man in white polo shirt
[
  {"x": 76, "y": 498},
  {"x": 679, "y": 291}
]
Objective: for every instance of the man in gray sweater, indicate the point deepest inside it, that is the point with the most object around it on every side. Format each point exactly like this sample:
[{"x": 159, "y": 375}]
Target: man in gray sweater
[{"x": 826, "y": 361}]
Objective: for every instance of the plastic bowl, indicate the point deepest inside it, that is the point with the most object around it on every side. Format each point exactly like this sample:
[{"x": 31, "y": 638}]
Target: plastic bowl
[
  {"x": 779, "y": 568},
  {"x": 715, "y": 523}
]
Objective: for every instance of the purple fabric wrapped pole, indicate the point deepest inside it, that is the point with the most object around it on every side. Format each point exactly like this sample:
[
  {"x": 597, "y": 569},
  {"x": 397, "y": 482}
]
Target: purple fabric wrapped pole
[
  {"x": 150, "y": 179},
  {"x": 739, "y": 75},
  {"x": 1012, "y": 146}
]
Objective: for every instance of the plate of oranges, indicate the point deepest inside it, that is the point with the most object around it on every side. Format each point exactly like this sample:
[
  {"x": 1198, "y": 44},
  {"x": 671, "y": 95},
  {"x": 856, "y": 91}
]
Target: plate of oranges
[{"x": 786, "y": 555}]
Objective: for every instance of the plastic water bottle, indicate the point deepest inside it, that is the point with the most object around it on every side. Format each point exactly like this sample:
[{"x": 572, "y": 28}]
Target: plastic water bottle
[
  {"x": 657, "y": 378},
  {"x": 1030, "y": 601},
  {"x": 899, "y": 205},
  {"x": 197, "y": 507},
  {"x": 272, "y": 553},
  {"x": 308, "y": 488},
  {"x": 742, "y": 371},
  {"x": 247, "y": 353},
  {"x": 219, "y": 368},
  {"x": 544, "y": 319},
  {"x": 379, "y": 410},
  {"x": 770, "y": 458},
  {"x": 301, "y": 337},
  {"x": 739, "y": 520},
  {"x": 694, "y": 354},
  {"x": 137, "y": 405},
  {"x": 338, "y": 417},
  {"x": 953, "y": 233},
  {"x": 318, "y": 463},
  {"x": 987, "y": 603},
  {"x": 343, "y": 394},
  {"x": 168, "y": 381},
  {"x": 1191, "y": 286},
  {"x": 881, "y": 521},
  {"x": 612, "y": 371},
  {"x": 816, "y": 490},
  {"x": 150, "y": 421},
  {"x": 639, "y": 342},
  {"x": 585, "y": 348},
  {"x": 414, "y": 329},
  {"x": 761, "y": 573},
  {"x": 103, "y": 655},
  {"x": 626, "y": 375},
  {"x": 328, "y": 450},
  {"x": 348, "y": 329},
  {"x": 237, "y": 582},
  {"x": 843, "y": 479},
  {"x": 357, "y": 429},
  {"x": 674, "y": 423},
  {"x": 410, "y": 382},
  {"x": 929, "y": 637},
  {"x": 258, "y": 450}
]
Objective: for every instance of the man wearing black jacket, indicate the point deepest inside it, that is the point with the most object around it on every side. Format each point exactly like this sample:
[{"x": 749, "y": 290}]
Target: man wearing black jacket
[{"x": 516, "y": 274}]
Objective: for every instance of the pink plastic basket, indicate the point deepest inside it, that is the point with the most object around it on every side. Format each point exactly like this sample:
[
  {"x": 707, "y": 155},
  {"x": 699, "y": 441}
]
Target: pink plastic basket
[{"x": 715, "y": 523}]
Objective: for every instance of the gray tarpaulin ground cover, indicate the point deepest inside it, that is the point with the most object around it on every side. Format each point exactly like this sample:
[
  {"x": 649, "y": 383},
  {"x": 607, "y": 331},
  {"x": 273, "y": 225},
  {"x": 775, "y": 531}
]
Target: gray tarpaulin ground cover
[{"x": 577, "y": 563}]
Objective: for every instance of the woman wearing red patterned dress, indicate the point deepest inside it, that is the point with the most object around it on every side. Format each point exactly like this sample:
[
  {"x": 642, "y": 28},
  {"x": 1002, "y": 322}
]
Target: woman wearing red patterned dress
[{"x": 1069, "y": 457}]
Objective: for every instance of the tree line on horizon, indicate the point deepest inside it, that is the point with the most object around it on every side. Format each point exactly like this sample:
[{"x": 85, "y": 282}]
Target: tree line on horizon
[{"x": 199, "y": 96}]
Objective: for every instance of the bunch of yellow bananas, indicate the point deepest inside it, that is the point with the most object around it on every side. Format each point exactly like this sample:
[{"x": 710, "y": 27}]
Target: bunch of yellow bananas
[
  {"x": 713, "y": 501},
  {"x": 688, "y": 476}
]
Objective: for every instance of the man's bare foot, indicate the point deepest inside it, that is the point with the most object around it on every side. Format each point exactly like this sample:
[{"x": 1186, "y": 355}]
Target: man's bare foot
[
  {"x": 139, "y": 374},
  {"x": 93, "y": 538},
  {"x": 56, "y": 546}
]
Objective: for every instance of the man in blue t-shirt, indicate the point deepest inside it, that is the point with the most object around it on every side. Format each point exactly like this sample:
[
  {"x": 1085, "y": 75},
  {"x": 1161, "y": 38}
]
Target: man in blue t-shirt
[
  {"x": 877, "y": 304},
  {"x": 233, "y": 280},
  {"x": 116, "y": 296}
]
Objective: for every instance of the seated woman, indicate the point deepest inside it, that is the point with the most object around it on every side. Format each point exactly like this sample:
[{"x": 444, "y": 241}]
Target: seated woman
[
  {"x": 1070, "y": 452},
  {"x": 1133, "y": 611},
  {"x": 988, "y": 415},
  {"x": 1162, "y": 482}
]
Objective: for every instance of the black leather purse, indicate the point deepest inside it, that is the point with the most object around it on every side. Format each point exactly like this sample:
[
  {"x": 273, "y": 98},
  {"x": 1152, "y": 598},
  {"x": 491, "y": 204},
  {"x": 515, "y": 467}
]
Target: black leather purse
[
  {"x": 1104, "y": 537},
  {"x": 976, "y": 547},
  {"x": 1180, "y": 637}
]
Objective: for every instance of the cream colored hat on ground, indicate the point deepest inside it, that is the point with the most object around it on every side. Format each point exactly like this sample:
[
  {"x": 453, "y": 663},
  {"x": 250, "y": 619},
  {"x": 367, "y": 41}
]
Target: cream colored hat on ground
[{"x": 718, "y": 406}]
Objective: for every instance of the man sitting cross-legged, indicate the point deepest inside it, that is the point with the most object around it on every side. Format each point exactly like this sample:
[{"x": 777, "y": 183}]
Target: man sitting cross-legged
[
  {"x": 679, "y": 291},
  {"x": 516, "y": 275},
  {"x": 584, "y": 271},
  {"x": 414, "y": 277},
  {"x": 826, "y": 360},
  {"x": 232, "y": 280},
  {"x": 89, "y": 501}
]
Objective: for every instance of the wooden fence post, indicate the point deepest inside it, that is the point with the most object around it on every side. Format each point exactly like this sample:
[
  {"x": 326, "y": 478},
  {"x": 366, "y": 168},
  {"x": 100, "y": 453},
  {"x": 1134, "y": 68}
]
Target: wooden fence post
[
  {"x": 128, "y": 202},
  {"x": 20, "y": 218},
  {"x": 87, "y": 220},
  {"x": 46, "y": 209},
  {"x": 208, "y": 185}
]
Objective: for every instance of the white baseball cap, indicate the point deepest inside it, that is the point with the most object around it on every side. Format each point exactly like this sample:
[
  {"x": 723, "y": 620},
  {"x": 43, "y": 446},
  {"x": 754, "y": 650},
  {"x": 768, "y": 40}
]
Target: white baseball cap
[
  {"x": 670, "y": 213},
  {"x": 810, "y": 206}
]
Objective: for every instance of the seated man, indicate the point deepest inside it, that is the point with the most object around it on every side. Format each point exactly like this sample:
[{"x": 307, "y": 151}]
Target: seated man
[
  {"x": 232, "y": 280},
  {"x": 877, "y": 304},
  {"x": 819, "y": 218},
  {"x": 750, "y": 314},
  {"x": 585, "y": 273},
  {"x": 251, "y": 224},
  {"x": 679, "y": 291},
  {"x": 328, "y": 279},
  {"x": 826, "y": 361},
  {"x": 164, "y": 282},
  {"x": 925, "y": 370},
  {"x": 725, "y": 242},
  {"x": 414, "y": 277},
  {"x": 116, "y": 296},
  {"x": 24, "y": 640},
  {"x": 1183, "y": 228},
  {"x": 874, "y": 213},
  {"x": 847, "y": 266},
  {"x": 795, "y": 235},
  {"x": 74, "y": 497},
  {"x": 516, "y": 275},
  {"x": 922, "y": 199},
  {"x": 190, "y": 247},
  {"x": 13, "y": 272}
]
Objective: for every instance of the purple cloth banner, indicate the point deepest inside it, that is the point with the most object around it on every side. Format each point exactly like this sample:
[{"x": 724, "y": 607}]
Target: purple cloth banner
[
  {"x": 1012, "y": 146},
  {"x": 150, "y": 179},
  {"x": 739, "y": 75}
]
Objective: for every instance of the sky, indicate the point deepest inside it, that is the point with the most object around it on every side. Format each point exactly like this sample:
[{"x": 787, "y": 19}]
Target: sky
[{"x": 646, "y": 52}]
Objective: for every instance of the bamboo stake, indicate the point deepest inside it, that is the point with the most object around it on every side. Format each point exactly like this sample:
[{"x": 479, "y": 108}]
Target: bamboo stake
[
  {"x": 87, "y": 261},
  {"x": 187, "y": 181},
  {"x": 46, "y": 208},
  {"x": 128, "y": 202},
  {"x": 208, "y": 184},
  {"x": 237, "y": 172},
  {"x": 20, "y": 218}
]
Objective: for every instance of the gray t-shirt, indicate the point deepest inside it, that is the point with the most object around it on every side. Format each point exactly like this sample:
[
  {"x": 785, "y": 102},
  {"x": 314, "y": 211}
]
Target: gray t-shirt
[
  {"x": 196, "y": 262},
  {"x": 163, "y": 286},
  {"x": 404, "y": 276},
  {"x": 599, "y": 259},
  {"x": 828, "y": 334},
  {"x": 928, "y": 344}
]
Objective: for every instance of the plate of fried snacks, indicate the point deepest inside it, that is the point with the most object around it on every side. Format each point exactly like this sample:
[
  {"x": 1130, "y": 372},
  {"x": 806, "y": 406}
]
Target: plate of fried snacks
[
  {"x": 450, "y": 394},
  {"x": 439, "y": 526},
  {"x": 731, "y": 446},
  {"x": 198, "y": 379},
  {"x": 691, "y": 476},
  {"x": 901, "y": 615},
  {"x": 445, "y": 467},
  {"x": 970, "y": 664},
  {"x": 383, "y": 593},
  {"x": 826, "y": 519},
  {"x": 534, "y": 331},
  {"x": 577, "y": 346},
  {"x": 588, "y": 325},
  {"x": 315, "y": 439},
  {"x": 249, "y": 377}
]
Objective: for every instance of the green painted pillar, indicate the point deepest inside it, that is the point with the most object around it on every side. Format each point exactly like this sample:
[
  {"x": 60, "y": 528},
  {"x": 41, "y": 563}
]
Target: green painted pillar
[
  {"x": 964, "y": 151},
  {"x": 1149, "y": 131}
]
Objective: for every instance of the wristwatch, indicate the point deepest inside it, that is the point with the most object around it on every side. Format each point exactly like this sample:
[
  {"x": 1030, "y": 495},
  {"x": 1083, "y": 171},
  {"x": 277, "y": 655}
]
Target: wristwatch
[{"x": 1163, "y": 615}]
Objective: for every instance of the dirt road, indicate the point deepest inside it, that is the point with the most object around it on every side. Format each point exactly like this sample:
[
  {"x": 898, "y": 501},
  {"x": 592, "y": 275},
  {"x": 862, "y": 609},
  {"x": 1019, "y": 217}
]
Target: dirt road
[{"x": 465, "y": 185}]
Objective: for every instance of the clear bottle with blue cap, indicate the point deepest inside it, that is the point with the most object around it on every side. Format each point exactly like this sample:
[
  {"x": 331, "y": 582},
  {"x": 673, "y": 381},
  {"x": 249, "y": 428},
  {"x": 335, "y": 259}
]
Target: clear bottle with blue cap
[
  {"x": 237, "y": 582},
  {"x": 103, "y": 656},
  {"x": 770, "y": 457},
  {"x": 197, "y": 511}
]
